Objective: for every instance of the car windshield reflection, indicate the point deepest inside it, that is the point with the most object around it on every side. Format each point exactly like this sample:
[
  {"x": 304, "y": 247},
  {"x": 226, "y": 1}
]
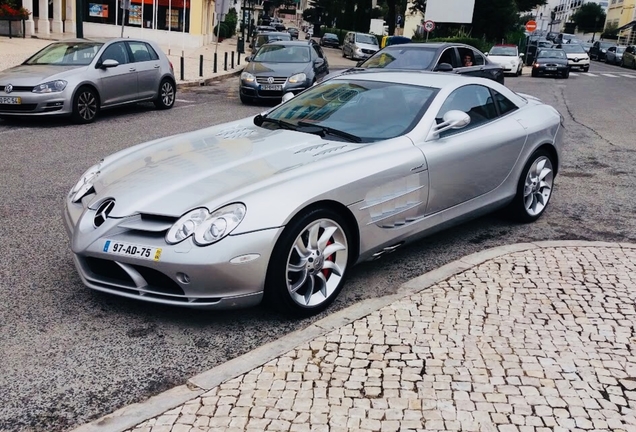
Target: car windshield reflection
[
  {"x": 504, "y": 51},
  {"x": 551, "y": 54},
  {"x": 367, "y": 110},
  {"x": 66, "y": 54},
  {"x": 283, "y": 54},
  {"x": 401, "y": 58},
  {"x": 573, "y": 49}
]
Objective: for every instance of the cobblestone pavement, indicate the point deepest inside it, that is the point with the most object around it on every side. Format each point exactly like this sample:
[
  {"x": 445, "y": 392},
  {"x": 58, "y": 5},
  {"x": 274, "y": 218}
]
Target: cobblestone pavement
[{"x": 541, "y": 340}]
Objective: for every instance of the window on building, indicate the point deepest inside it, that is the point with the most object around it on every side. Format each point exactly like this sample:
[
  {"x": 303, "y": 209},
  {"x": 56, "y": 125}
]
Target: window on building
[
  {"x": 157, "y": 14},
  {"x": 100, "y": 11}
]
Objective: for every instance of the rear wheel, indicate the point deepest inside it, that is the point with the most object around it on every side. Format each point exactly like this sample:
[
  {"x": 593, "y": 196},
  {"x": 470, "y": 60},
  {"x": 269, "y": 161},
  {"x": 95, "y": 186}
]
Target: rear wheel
[
  {"x": 167, "y": 95},
  {"x": 309, "y": 262},
  {"x": 85, "y": 105},
  {"x": 534, "y": 188}
]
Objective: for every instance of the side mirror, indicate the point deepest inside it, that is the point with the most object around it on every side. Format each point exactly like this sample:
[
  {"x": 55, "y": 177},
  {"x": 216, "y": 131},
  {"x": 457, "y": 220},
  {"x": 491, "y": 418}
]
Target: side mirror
[
  {"x": 249, "y": 58},
  {"x": 319, "y": 61},
  {"x": 522, "y": 55},
  {"x": 443, "y": 67},
  {"x": 486, "y": 53},
  {"x": 453, "y": 119},
  {"x": 109, "y": 63},
  {"x": 287, "y": 96}
]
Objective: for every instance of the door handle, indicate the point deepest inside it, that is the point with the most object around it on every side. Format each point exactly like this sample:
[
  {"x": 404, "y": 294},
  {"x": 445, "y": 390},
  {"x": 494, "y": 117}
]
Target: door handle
[
  {"x": 157, "y": 66},
  {"x": 132, "y": 69}
]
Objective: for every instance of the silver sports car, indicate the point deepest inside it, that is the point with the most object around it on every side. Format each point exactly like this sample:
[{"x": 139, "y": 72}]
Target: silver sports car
[
  {"x": 80, "y": 77},
  {"x": 279, "y": 206}
]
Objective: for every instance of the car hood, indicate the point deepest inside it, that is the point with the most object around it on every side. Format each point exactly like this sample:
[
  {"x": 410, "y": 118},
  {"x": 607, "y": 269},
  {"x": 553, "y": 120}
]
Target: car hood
[
  {"x": 173, "y": 175},
  {"x": 276, "y": 69},
  {"x": 32, "y": 75},
  {"x": 367, "y": 46},
  {"x": 579, "y": 56},
  {"x": 503, "y": 59}
]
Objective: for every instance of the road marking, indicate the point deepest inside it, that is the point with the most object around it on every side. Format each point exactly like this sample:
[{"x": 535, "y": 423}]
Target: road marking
[
  {"x": 629, "y": 76},
  {"x": 573, "y": 74},
  {"x": 589, "y": 74},
  {"x": 183, "y": 100},
  {"x": 610, "y": 75}
]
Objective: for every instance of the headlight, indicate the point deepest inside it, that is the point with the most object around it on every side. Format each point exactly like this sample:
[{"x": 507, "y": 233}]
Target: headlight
[
  {"x": 206, "y": 227},
  {"x": 246, "y": 76},
  {"x": 297, "y": 78},
  {"x": 602, "y": 50},
  {"x": 85, "y": 183},
  {"x": 50, "y": 87},
  {"x": 358, "y": 50}
]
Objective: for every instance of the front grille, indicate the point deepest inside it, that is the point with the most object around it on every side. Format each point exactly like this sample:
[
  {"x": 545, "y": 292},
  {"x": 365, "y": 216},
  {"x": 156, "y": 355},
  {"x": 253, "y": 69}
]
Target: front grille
[
  {"x": 270, "y": 93},
  {"x": 14, "y": 108},
  {"x": 158, "y": 281},
  {"x": 277, "y": 80},
  {"x": 108, "y": 269},
  {"x": 368, "y": 51},
  {"x": 19, "y": 88}
]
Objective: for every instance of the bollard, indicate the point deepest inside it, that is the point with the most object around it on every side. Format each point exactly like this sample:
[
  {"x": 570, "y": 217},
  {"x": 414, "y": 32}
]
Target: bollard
[
  {"x": 214, "y": 68},
  {"x": 201, "y": 65},
  {"x": 238, "y": 58},
  {"x": 225, "y": 61},
  {"x": 181, "y": 63},
  {"x": 232, "y": 61}
]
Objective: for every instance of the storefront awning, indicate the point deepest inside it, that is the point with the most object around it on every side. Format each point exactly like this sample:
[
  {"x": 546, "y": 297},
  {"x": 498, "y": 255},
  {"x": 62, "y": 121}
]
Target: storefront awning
[{"x": 626, "y": 26}]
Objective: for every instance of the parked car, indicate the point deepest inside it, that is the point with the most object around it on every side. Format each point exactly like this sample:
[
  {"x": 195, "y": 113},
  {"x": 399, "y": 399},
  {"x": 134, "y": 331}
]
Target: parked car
[
  {"x": 508, "y": 57},
  {"x": 614, "y": 54},
  {"x": 577, "y": 57},
  {"x": 629, "y": 57},
  {"x": 599, "y": 49},
  {"x": 281, "y": 67},
  {"x": 551, "y": 61},
  {"x": 293, "y": 31},
  {"x": 263, "y": 29},
  {"x": 280, "y": 27},
  {"x": 359, "y": 46},
  {"x": 586, "y": 46},
  {"x": 330, "y": 40},
  {"x": 534, "y": 47},
  {"x": 439, "y": 57},
  {"x": 78, "y": 78},
  {"x": 564, "y": 38},
  {"x": 263, "y": 38},
  {"x": 279, "y": 206}
]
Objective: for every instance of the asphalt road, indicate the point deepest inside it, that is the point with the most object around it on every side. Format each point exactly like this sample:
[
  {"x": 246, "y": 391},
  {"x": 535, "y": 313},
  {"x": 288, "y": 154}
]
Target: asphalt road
[{"x": 69, "y": 355}]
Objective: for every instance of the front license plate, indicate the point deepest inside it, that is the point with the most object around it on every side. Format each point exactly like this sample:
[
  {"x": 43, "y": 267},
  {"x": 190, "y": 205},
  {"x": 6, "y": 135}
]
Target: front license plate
[
  {"x": 550, "y": 68},
  {"x": 6, "y": 100},
  {"x": 272, "y": 87},
  {"x": 132, "y": 250}
]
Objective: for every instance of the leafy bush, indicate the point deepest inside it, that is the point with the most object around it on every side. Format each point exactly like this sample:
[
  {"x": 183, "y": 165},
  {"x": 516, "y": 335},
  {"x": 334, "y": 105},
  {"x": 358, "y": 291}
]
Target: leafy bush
[
  {"x": 231, "y": 20},
  {"x": 223, "y": 32}
]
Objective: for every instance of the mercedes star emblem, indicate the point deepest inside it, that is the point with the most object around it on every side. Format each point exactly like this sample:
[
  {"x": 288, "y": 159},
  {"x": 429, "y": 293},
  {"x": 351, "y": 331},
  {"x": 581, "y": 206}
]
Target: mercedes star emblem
[
  {"x": 103, "y": 211},
  {"x": 8, "y": 88},
  {"x": 270, "y": 80}
]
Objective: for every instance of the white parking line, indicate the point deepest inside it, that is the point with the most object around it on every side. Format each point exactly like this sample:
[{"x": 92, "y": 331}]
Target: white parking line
[
  {"x": 610, "y": 75},
  {"x": 573, "y": 74},
  {"x": 629, "y": 76},
  {"x": 589, "y": 74},
  {"x": 183, "y": 100}
]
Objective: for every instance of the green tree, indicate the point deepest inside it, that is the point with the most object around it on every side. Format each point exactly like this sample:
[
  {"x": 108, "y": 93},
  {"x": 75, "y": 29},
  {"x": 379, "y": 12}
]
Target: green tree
[
  {"x": 528, "y": 5},
  {"x": 590, "y": 18}
]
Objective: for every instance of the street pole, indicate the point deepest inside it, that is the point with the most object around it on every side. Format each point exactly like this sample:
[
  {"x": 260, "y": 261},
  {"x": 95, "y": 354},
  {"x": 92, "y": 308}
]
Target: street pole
[{"x": 79, "y": 19}]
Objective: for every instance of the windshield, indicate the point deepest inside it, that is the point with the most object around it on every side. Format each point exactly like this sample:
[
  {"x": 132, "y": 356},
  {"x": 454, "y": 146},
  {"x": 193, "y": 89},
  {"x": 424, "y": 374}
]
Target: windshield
[
  {"x": 358, "y": 108},
  {"x": 366, "y": 39},
  {"x": 504, "y": 51},
  {"x": 573, "y": 49},
  {"x": 263, "y": 39},
  {"x": 401, "y": 57},
  {"x": 282, "y": 54},
  {"x": 606, "y": 45},
  {"x": 330, "y": 36},
  {"x": 620, "y": 50},
  {"x": 551, "y": 54},
  {"x": 66, "y": 54}
]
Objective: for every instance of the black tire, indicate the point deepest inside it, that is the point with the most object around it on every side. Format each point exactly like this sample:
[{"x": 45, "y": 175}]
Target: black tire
[
  {"x": 85, "y": 105},
  {"x": 517, "y": 208},
  {"x": 308, "y": 271},
  {"x": 586, "y": 69},
  {"x": 246, "y": 100},
  {"x": 343, "y": 54},
  {"x": 167, "y": 95},
  {"x": 534, "y": 74}
]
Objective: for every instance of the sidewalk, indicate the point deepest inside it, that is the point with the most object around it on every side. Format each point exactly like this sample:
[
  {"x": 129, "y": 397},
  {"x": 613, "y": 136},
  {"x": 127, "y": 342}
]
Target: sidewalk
[
  {"x": 15, "y": 51},
  {"x": 527, "y": 337}
]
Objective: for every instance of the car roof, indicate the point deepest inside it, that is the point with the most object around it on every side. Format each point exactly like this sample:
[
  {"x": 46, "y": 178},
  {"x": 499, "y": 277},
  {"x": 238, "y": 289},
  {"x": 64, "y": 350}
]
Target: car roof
[
  {"x": 435, "y": 45},
  {"x": 419, "y": 78},
  {"x": 270, "y": 33},
  {"x": 505, "y": 45},
  {"x": 292, "y": 43}
]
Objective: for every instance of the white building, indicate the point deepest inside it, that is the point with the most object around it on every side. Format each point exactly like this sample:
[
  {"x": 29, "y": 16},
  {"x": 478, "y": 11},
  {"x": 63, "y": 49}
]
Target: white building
[
  {"x": 542, "y": 15},
  {"x": 567, "y": 8}
]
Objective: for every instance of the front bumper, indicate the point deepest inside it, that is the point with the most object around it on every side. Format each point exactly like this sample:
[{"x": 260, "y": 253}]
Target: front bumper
[
  {"x": 255, "y": 91},
  {"x": 553, "y": 70},
  {"x": 582, "y": 64},
  {"x": 213, "y": 280},
  {"x": 38, "y": 104}
]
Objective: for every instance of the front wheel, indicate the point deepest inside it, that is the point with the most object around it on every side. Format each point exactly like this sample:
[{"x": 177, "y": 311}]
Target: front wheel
[
  {"x": 586, "y": 69},
  {"x": 534, "y": 188},
  {"x": 166, "y": 97},
  {"x": 309, "y": 262},
  {"x": 85, "y": 105}
]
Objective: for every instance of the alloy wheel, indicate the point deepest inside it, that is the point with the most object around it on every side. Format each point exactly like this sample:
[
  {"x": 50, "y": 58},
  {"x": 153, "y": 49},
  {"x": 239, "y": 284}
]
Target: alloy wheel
[
  {"x": 538, "y": 186},
  {"x": 87, "y": 105},
  {"x": 316, "y": 263},
  {"x": 167, "y": 93}
]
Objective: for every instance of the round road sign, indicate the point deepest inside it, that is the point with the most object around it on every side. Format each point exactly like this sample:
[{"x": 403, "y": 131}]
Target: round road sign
[
  {"x": 429, "y": 26},
  {"x": 531, "y": 26}
]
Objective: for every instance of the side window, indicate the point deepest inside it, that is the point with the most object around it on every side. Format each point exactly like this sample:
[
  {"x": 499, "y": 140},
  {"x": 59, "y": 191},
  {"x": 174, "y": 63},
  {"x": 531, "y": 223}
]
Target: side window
[
  {"x": 140, "y": 51},
  {"x": 466, "y": 56},
  {"x": 153, "y": 53},
  {"x": 479, "y": 59},
  {"x": 505, "y": 105},
  {"x": 318, "y": 50},
  {"x": 446, "y": 57},
  {"x": 474, "y": 100},
  {"x": 117, "y": 52}
]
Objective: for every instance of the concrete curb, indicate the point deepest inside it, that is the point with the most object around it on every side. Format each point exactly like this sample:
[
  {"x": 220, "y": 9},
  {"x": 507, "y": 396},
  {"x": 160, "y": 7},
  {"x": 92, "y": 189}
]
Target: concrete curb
[
  {"x": 132, "y": 415},
  {"x": 207, "y": 81}
]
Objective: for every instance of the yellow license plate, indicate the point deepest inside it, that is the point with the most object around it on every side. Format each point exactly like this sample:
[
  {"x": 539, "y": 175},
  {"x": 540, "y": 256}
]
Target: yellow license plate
[{"x": 10, "y": 100}]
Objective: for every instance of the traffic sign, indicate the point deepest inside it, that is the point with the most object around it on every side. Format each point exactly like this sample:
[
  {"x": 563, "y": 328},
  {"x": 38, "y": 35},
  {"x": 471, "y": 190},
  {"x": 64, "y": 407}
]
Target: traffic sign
[
  {"x": 531, "y": 26},
  {"x": 429, "y": 26}
]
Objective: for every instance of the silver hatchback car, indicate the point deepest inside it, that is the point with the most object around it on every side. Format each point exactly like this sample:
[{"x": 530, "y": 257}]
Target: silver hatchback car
[{"x": 81, "y": 77}]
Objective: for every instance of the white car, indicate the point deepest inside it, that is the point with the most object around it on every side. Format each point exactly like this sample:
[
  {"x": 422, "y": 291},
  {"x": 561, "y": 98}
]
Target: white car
[
  {"x": 508, "y": 57},
  {"x": 578, "y": 58}
]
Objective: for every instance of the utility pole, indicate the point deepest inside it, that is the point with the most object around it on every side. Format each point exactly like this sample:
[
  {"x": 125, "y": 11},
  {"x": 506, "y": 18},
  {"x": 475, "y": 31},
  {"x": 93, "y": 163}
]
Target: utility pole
[{"x": 79, "y": 19}]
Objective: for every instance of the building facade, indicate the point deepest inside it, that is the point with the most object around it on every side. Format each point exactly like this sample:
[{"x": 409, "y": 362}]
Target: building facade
[
  {"x": 543, "y": 16},
  {"x": 566, "y": 8},
  {"x": 186, "y": 23},
  {"x": 621, "y": 14}
]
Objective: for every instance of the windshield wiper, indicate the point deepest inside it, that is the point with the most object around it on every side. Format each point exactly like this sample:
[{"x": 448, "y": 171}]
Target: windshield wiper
[
  {"x": 260, "y": 119},
  {"x": 316, "y": 129}
]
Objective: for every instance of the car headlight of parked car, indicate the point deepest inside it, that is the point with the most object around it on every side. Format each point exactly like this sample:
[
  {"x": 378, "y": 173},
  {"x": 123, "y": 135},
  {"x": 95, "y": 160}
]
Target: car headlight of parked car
[
  {"x": 50, "y": 87},
  {"x": 85, "y": 183},
  {"x": 205, "y": 227},
  {"x": 301, "y": 77},
  {"x": 248, "y": 77}
]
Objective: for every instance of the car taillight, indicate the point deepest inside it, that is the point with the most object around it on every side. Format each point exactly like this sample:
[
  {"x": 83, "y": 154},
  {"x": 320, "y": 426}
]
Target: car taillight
[{"x": 171, "y": 67}]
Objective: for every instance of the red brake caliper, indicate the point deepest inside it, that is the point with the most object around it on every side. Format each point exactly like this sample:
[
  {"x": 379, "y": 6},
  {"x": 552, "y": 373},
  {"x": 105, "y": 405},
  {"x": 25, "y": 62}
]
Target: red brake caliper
[{"x": 327, "y": 272}]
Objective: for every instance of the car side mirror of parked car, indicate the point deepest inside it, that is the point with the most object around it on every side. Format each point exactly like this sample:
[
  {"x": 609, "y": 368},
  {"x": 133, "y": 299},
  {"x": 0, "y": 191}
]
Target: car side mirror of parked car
[
  {"x": 486, "y": 53},
  {"x": 522, "y": 55},
  {"x": 453, "y": 119},
  {"x": 249, "y": 58},
  {"x": 443, "y": 67},
  {"x": 109, "y": 63},
  {"x": 287, "y": 96}
]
